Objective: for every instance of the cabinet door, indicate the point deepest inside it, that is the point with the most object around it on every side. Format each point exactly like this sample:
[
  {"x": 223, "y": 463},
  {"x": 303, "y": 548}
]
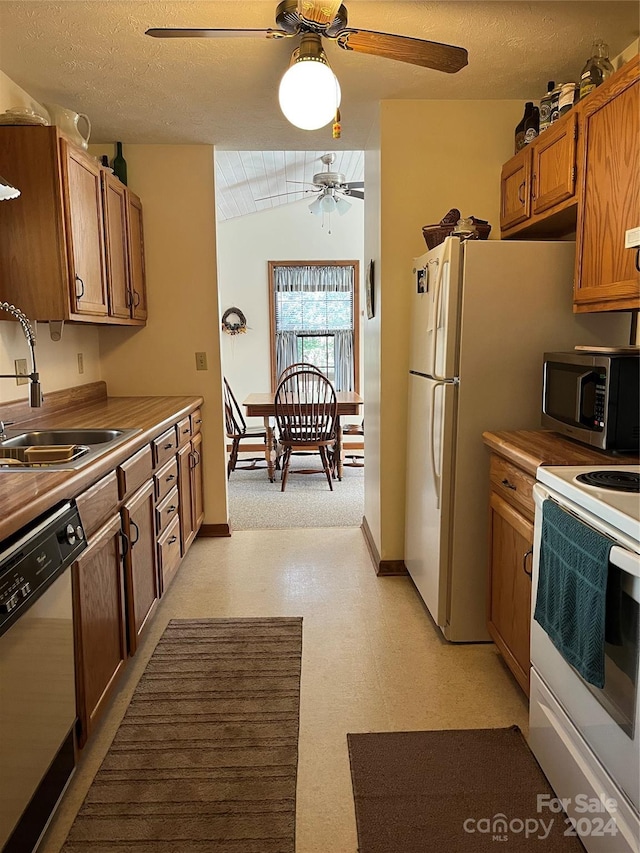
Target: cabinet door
[
  {"x": 554, "y": 165},
  {"x": 141, "y": 570},
  {"x": 136, "y": 258},
  {"x": 187, "y": 521},
  {"x": 83, "y": 212},
  {"x": 515, "y": 190},
  {"x": 511, "y": 551},
  {"x": 114, "y": 196},
  {"x": 99, "y": 623},
  {"x": 197, "y": 498},
  {"x": 606, "y": 278}
]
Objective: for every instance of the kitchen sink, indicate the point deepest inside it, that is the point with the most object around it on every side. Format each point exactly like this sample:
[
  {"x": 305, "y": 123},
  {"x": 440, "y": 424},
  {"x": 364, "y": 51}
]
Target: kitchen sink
[{"x": 82, "y": 446}]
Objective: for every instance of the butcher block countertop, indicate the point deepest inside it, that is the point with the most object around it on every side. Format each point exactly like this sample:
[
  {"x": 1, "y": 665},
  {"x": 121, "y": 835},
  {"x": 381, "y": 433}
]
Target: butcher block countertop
[
  {"x": 24, "y": 495},
  {"x": 530, "y": 448}
]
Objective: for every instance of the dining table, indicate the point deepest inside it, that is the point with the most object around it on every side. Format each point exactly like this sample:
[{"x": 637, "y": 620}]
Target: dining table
[{"x": 262, "y": 405}]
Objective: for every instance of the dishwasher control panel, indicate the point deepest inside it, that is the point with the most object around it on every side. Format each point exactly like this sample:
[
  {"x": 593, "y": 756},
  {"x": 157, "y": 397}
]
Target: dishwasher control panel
[{"x": 32, "y": 559}]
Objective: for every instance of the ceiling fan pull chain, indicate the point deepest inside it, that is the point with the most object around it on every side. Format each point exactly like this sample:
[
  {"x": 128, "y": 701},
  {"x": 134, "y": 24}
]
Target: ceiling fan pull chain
[{"x": 337, "y": 127}]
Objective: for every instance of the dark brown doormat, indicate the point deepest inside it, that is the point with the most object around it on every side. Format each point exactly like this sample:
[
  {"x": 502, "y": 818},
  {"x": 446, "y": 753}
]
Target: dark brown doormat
[
  {"x": 452, "y": 792},
  {"x": 205, "y": 758}
]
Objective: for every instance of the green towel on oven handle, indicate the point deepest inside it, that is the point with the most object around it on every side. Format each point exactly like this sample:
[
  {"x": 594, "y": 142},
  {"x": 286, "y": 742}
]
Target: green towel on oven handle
[{"x": 572, "y": 590}]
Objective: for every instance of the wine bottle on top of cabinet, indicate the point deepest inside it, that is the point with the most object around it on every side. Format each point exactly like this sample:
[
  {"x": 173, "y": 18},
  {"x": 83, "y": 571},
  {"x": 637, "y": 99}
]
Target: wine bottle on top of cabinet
[
  {"x": 597, "y": 69},
  {"x": 119, "y": 164},
  {"x": 531, "y": 125},
  {"x": 521, "y": 126},
  {"x": 545, "y": 107}
]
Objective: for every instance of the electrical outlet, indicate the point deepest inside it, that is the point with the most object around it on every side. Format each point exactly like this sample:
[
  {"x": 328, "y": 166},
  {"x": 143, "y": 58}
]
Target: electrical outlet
[
  {"x": 201, "y": 361},
  {"x": 80, "y": 362},
  {"x": 22, "y": 370}
]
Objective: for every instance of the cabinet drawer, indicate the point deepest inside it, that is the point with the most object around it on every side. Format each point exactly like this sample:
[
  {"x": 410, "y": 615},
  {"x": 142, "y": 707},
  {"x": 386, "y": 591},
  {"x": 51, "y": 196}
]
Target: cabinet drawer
[
  {"x": 166, "y": 478},
  {"x": 167, "y": 510},
  {"x": 513, "y": 484},
  {"x": 184, "y": 430},
  {"x": 196, "y": 422},
  {"x": 165, "y": 446},
  {"x": 135, "y": 471},
  {"x": 169, "y": 552},
  {"x": 98, "y": 503}
]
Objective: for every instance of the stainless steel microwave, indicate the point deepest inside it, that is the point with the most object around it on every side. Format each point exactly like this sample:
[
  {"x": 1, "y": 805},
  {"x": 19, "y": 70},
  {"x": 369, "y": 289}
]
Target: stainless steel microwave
[{"x": 593, "y": 398}]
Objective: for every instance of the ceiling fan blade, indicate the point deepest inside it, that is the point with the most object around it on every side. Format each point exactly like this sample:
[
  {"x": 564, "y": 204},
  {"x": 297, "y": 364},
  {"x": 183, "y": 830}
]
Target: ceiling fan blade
[
  {"x": 203, "y": 33},
  {"x": 280, "y": 195},
  {"x": 321, "y": 12},
  {"x": 356, "y": 194},
  {"x": 353, "y": 185},
  {"x": 428, "y": 54}
]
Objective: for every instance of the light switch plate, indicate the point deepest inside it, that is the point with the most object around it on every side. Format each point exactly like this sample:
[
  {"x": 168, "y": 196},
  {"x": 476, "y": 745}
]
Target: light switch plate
[
  {"x": 632, "y": 238},
  {"x": 22, "y": 370},
  {"x": 201, "y": 361}
]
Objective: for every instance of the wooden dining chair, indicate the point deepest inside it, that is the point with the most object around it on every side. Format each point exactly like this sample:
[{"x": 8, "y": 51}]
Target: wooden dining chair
[
  {"x": 237, "y": 430},
  {"x": 299, "y": 365},
  {"x": 306, "y": 411}
]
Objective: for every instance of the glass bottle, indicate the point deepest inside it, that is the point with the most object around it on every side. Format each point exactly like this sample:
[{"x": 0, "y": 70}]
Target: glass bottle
[
  {"x": 597, "y": 69},
  {"x": 531, "y": 125},
  {"x": 545, "y": 107},
  {"x": 554, "y": 114},
  {"x": 520, "y": 127},
  {"x": 119, "y": 164}
]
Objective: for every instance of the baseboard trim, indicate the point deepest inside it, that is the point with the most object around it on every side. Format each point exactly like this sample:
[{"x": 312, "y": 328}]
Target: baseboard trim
[
  {"x": 383, "y": 568},
  {"x": 208, "y": 531}
]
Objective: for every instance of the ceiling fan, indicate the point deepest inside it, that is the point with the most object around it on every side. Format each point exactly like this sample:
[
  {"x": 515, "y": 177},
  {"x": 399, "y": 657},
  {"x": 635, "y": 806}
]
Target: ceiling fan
[
  {"x": 331, "y": 190},
  {"x": 309, "y": 91}
]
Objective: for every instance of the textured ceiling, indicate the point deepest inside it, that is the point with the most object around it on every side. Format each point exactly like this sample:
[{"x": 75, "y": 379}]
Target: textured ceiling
[
  {"x": 244, "y": 179},
  {"x": 94, "y": 57}
]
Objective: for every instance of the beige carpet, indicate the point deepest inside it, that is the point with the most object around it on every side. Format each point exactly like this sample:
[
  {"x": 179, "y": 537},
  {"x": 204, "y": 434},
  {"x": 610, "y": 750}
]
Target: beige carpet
[
  {"x": 205, "y": 758},
  {"x": 445, "y": 792}
]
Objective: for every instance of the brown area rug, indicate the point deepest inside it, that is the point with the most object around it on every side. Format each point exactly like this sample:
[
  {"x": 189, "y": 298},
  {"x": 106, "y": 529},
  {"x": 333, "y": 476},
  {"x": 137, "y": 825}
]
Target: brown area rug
[
  {"x": 445, "y": 791},
  {"x": 205, "y": 758}
]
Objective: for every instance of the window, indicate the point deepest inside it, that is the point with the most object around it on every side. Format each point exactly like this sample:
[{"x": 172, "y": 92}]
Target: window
[{"x": 314, "y": 318}]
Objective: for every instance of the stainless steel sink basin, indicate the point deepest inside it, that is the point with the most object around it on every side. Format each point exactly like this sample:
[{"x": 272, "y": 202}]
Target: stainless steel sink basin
[
  {"x": 89, "y": 445},
  {"x": 54, "y": 437}
]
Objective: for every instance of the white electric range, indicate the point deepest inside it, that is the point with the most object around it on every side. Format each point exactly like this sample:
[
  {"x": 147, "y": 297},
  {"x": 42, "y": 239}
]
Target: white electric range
[{"x": 587, "y": 739}]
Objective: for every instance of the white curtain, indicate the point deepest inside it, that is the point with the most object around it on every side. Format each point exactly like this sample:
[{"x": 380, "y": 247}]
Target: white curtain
[
  {"x": 286, "y": 350},
  {"x": 344, "y": 360},
  {"x": 313, "y": 278}
]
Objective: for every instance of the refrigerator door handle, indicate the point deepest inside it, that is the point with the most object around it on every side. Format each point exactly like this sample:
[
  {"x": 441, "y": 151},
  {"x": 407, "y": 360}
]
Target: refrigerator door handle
[
  {"x": 437, "y": 291},
  {"x": 437, "y": 473}
]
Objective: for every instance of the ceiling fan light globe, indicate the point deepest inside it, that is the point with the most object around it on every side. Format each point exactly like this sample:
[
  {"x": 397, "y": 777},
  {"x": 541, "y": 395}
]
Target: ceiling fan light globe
[
  {"x": 328, "y": 204},
  {"x": 342, "y": 206},
  {"x": 309, "y": 94},
  {"x": 316, "y": 206}
]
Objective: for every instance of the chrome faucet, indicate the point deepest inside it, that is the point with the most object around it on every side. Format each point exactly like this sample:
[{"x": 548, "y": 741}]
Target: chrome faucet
[{"x": 35, "y": 392}]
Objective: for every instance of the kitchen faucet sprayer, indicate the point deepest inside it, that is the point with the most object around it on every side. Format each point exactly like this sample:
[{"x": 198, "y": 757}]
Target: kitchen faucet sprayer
[{"x": 35, "y": 392}]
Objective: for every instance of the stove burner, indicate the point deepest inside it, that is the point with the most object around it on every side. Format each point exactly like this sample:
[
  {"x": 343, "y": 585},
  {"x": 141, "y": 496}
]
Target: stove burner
[{"x": 619, "y": 481}]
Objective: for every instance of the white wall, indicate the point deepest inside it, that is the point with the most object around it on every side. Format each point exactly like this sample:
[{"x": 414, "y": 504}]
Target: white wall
[
  {"x": 57, "y": 361},
  {"x": 245, "y": 245}
]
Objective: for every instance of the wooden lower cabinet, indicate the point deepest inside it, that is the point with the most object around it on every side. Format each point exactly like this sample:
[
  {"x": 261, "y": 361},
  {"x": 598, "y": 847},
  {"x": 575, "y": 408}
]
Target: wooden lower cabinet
[
  {"x": 511, "y": 555},
  {"x": 191, "y": 487},
  {"x": 99, "y": 623},
  {"x": 140, "y": 563}
]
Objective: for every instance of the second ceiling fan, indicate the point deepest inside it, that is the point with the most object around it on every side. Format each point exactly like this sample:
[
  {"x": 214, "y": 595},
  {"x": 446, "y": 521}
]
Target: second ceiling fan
[{"x": 309, "y": 91}]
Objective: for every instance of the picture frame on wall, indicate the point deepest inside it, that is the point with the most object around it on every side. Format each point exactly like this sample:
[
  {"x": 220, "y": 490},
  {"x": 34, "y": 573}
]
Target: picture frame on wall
[{"x": 370, "y": 291}]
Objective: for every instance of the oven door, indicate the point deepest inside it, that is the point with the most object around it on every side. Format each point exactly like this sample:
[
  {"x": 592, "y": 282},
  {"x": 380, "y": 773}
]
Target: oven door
[{"x": 607, "y": 719}]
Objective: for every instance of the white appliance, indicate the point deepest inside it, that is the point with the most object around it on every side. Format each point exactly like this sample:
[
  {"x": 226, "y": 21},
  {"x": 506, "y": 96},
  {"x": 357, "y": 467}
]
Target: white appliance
[
  {"x": 482, "y": 315},
  {"x": 587, "y": 739}
]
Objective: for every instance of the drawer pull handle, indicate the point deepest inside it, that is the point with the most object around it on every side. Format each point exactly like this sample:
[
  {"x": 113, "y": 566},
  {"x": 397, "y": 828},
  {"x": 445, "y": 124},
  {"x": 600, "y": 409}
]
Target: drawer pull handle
[
  {"x": 171, "y": 540},
  {"x": 167, "y": 446},
  {"x": 508, "y": 485},
  {"x": 170, "y": 478},
  {"x": 137, "y": 529},
  {"x": 171, "y": 509},
  {"x": 185, "y": 431},
  {"x": 198, "y": 422},
  {"x": 529, "y": 553}
]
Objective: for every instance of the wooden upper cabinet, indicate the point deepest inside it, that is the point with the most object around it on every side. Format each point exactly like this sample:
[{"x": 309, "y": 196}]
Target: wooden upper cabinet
[
  {"x": 606, "y": 277},
  {"x": 65, "y": 241},
  {"x": 83, "y": 211},
  {"x": 554, "y": 164},
  {"x": 136, "y": 258},
  {"x": 116, "y": 245},
  {"x": 515, "y": 190}
]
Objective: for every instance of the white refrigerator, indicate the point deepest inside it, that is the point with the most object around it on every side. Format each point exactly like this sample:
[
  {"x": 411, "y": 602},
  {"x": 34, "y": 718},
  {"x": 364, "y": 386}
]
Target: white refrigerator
[{"x": 482, "y": 315}]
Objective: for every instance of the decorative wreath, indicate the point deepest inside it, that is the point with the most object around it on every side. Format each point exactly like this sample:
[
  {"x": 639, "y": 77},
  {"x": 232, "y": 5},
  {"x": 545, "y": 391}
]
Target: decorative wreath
[{"x": 237, "y": 326}]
